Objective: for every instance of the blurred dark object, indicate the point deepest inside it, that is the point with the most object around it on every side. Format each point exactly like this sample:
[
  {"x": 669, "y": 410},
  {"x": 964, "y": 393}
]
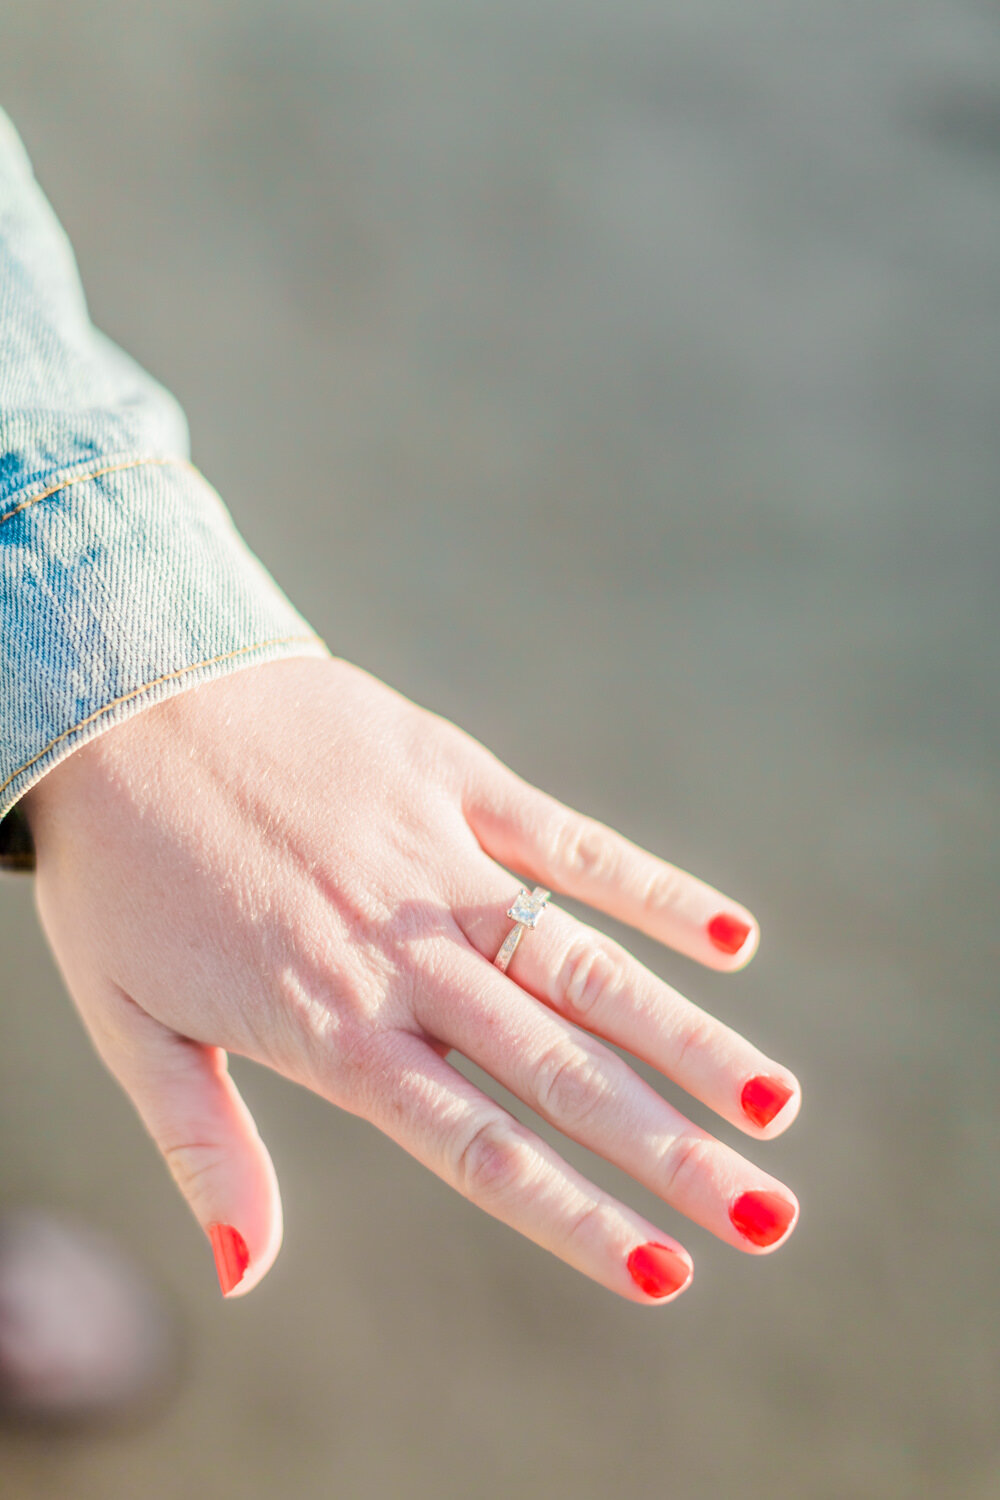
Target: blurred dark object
[
  {"x": 17, "y": 849},
  {"x": 85, "y": 1337}
]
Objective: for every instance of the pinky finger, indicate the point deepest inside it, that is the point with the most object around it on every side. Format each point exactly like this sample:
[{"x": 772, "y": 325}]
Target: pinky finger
[{"x": 481, "y": 1150}]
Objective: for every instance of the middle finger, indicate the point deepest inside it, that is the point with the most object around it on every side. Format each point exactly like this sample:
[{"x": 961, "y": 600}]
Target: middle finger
[{"x": 593, "y": 1096}]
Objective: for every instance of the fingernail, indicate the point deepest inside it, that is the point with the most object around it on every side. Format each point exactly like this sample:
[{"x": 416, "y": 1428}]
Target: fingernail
[
  {"x": 728, "y": 933},
  {"x": 231, "y": 1255},
  {"x": 762, "y": 1217},
  {"x": 763, "y": 1098},
  {"x": 658, "y": 1270}
]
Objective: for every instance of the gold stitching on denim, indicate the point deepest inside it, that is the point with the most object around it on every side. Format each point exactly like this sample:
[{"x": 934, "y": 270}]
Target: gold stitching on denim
[
  {"x": 277, "y": 640},
  {"x": 135, "y": 463}
]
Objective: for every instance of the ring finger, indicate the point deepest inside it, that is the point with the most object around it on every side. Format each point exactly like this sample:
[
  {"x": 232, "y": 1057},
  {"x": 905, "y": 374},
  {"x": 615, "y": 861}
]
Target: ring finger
[
  {"x": 525, "y": 829},
  {"x": 598, "y": 985}
]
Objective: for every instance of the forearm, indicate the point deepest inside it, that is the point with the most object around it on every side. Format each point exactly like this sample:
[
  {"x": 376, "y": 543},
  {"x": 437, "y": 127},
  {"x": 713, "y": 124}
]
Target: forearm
[{"x": 122, "y": 577}]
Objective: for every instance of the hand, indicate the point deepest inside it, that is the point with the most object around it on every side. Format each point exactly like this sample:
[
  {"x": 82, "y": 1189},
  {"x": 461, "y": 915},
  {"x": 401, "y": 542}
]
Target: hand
[{"x": 296, "y": 864}]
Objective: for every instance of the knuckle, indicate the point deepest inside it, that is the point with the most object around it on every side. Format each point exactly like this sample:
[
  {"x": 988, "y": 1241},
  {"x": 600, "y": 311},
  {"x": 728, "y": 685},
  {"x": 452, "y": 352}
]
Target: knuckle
[
  {"x": 683, "y": 1162},
  {"x": 662, "y": 890},
  {"x": 570, "y": 1084},
  {"x": 584, "y": 849},
  {"x": 349, "y": 1061},
  {"x": 193, "y": 1164},
  {"x": 493, "y": 1163},
  {"x": 366, "y": 1066},
  {"x": 694, "y": 1036},
  {"x": 356, "y": 1050},
  {"x": 592, "y": 1222},
  {"x": 590, "y": 976}
]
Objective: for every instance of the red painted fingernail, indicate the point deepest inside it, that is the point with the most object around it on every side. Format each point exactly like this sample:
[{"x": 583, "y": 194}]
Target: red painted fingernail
[
  {"x": 728, "y": 933},
  {"x": 231, "y": 1255},
  {"x": 763, "y": 1098},
  {"x": 658, "y": 1270},
  {"x": 762, "y": 1217}
]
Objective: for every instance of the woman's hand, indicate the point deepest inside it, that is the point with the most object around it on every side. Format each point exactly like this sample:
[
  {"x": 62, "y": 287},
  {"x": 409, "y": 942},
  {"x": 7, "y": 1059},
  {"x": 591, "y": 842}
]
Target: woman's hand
[{"x": 297, "y": 864}]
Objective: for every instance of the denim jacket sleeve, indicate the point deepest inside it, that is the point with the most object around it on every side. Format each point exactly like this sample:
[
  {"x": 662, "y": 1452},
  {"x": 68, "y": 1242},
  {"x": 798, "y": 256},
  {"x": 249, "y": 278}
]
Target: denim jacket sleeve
[{"x": 123, "y": 579}]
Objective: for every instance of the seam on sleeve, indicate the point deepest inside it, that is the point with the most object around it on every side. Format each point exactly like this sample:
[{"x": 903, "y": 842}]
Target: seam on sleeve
[
  {"x": 277, "y": 640},
  {"x": 135, "y": 463}
]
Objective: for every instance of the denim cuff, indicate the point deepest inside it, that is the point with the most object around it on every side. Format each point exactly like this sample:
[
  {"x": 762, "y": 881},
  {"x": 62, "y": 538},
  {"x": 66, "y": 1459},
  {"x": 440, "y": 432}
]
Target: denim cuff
[{"x": 120, "y": 584}]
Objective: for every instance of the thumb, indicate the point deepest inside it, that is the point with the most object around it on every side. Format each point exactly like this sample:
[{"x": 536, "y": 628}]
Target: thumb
[{"x": 195, "y": 1114}]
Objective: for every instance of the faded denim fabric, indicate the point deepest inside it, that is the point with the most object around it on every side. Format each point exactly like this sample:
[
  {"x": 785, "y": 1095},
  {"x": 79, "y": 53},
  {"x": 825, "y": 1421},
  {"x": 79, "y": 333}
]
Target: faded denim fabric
[{"x": 123, "y": 579}]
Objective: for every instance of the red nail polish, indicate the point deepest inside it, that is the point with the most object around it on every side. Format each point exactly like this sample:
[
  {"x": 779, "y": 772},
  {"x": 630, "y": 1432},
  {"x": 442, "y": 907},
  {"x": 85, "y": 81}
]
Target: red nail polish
[
  {"x": 231, "y": 1255},
  {"x": 658, "y": 1270},
  {"x": 762, "y": 1217},
  {"x": 763, "y": 1098},
  {"x": 728, "y": 933}
]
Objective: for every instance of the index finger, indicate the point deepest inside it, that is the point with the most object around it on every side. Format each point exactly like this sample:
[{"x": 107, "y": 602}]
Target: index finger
[{"x": 529, "y": 831}]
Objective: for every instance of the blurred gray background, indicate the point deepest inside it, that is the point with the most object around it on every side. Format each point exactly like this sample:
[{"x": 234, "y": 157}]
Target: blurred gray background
[{"x": 621, "y": 380}]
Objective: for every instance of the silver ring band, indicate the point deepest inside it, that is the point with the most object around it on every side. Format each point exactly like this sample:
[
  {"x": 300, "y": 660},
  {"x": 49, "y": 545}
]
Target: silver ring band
[{"x": 525, "y": 910}]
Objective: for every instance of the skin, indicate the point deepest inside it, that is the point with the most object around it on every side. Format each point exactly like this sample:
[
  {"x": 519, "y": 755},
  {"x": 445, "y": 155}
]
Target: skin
[{"x": 296, "y": 864}]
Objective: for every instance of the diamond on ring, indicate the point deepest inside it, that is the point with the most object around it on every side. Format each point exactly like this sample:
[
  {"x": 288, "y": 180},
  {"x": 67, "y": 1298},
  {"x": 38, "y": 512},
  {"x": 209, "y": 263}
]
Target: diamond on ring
[
  {"x": 527, "y": 906},
  {"x": 525, "y": 910}
]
